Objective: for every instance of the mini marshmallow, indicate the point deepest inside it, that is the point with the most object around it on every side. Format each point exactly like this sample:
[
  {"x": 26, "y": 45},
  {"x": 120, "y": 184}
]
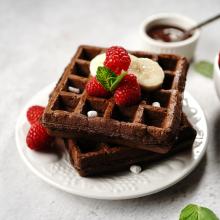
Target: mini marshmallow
[
  {"x": 156, "y": 104},
  {"x": 73, "y": 89},
  {"x": 92, "y": 114},
  {"x": 135, "y": 169}
]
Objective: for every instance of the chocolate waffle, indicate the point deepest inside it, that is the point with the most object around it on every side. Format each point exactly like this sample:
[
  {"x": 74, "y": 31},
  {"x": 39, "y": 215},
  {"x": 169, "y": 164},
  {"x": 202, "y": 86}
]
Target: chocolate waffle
[
  {"x": 92, "y": 158},
  {"x": 140, "y": 126}
]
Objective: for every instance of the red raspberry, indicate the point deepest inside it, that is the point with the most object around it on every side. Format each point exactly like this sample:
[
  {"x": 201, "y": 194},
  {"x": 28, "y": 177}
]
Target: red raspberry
[
  {"x": 37, "y": 137},
  {"x": 94, "y": 88},
  {"x": 117, "y": 59},
  {"x": 34, "y": 113},
  {"x": 130, "y": 79},
  {"x": 128, "y": 92}
]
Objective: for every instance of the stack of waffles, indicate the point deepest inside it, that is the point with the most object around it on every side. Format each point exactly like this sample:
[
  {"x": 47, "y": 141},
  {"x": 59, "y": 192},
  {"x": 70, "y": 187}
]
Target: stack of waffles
[{"x": 119, "y": 136}]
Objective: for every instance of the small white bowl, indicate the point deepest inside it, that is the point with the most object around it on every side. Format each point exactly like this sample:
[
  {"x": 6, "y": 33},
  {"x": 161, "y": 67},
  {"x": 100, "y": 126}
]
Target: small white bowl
[
  {"x": 217, "y": 75},
  {"x": 185, "y": 48}
]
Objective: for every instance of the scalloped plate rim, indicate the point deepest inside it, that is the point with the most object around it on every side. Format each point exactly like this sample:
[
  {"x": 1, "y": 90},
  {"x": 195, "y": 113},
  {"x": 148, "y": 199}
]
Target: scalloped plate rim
[{"x": 88, "y": 194}]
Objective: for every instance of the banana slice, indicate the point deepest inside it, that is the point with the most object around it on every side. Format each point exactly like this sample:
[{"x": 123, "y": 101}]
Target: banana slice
[
  {"x": 96, "y": 62},
  {"x": 149, "y": 74}
]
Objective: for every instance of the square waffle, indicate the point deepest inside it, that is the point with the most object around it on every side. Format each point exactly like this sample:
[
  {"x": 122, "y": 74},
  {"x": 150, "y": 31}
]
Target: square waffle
[
  {"x": 95, "y": 158},
  {"x": 140, "y": 126}
]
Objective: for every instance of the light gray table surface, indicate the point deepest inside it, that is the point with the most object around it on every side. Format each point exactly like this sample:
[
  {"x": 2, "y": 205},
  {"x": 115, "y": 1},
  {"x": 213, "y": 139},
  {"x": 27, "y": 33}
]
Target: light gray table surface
[{"x": 37, "y": 39}]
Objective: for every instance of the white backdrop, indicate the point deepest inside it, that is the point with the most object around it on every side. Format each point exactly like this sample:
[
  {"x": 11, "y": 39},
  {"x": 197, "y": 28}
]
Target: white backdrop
[{"x": 37, "y": 39}]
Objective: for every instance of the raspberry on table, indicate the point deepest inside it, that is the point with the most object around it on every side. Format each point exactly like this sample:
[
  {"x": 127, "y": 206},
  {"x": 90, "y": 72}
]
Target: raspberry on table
[{"x": 117, "y": 59}]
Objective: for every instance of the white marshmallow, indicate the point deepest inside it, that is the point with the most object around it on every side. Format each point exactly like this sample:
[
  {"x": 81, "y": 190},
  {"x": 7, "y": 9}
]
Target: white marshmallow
[
  {"x": 92, "y": 114},
  {"x": 135, "y": 169},
  {"x": 73, "y": 89},
  {"x": 156, "y": 104}
]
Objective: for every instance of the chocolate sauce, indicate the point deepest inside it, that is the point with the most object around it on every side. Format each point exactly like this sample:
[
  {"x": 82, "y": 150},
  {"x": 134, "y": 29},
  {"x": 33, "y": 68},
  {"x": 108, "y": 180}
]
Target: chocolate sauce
[{"x": 166, "y": 33}]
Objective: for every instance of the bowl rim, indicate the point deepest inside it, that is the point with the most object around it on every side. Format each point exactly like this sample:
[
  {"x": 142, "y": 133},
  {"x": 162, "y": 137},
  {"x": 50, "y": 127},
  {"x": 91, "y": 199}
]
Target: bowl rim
[{"x": 154, "y": 17}]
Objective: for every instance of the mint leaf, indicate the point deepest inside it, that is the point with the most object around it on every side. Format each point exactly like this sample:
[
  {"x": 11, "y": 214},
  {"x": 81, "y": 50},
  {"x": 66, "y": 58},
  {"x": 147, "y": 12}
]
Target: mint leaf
[
  {"x": 195, "y": 212},
  {"x": 190, "y": 212},
  {"x": 204, "y": 67},
  {"x": 108, "y": 79},
  {"x": 118, "y": 80}
]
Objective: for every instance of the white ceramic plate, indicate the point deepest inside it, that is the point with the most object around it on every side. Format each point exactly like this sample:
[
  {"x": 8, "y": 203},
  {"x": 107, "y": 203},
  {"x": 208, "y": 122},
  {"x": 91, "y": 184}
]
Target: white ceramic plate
[{"x": 57, "y": 171}]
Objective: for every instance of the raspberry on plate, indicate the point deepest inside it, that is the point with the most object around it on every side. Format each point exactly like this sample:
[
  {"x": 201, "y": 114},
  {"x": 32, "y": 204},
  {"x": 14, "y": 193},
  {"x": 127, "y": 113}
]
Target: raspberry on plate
[
  {"x": 94, "y": 88},
  {"x": 34, "y": 113},
  {"x": 117, "y": 59},
  {"x": 37, "y": 137},
  {"x": 128, "y": 92}
]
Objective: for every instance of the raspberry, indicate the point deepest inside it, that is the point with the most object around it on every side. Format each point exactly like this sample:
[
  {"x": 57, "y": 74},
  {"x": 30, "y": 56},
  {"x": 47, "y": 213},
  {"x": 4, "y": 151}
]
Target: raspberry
[
  {"x": 34, "y": 113},
  {"x": 94, "y": 88},
  {"x": 117, "y": 59},
  {"x": 37, "y": 137},
  {"x": 130, "y": 79},
  {"x": 128, "y": 92}
]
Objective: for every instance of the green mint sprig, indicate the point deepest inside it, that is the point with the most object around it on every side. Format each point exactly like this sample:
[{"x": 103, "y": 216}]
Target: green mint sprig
[
  {"x": 109, "y": 79},
  {"x": 195, "y": 212},
  {"x": 204, "y": 67}
]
